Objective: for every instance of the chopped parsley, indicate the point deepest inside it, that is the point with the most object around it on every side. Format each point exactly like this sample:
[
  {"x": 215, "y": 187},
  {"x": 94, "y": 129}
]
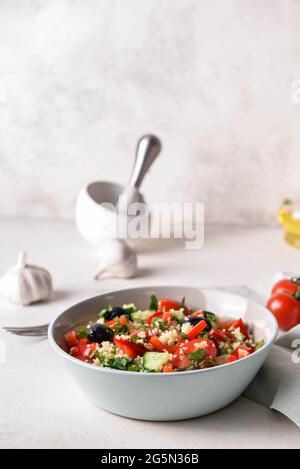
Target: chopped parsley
[
  {"x": 153, "y": 303},
  {"x": 120, "y": 363},
  {"x": 197, "y": 355},
  {"x": 211, "y": 319}
]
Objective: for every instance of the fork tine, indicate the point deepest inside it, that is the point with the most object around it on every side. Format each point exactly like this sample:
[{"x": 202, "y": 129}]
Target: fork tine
[
  {"x": 26, "y": 329},
  {"x": 42, "y": 333}
]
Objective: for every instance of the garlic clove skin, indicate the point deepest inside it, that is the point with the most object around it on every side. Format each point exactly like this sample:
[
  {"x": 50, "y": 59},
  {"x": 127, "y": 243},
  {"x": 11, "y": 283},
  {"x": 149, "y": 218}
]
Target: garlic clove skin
[
  {"x": 117, "y": 259},
  {"x": 25, "y": 284}
]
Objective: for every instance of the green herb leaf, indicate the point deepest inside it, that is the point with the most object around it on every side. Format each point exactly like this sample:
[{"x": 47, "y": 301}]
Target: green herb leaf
[
  {"x": 259, "y": 345},
  {"x": 120, "y": 363},
  {"x": 211, "y": 319},
  {"x": 153, "y": 303},
  {"x": 182, "y": 303},
  {"x": 120, "y": 328},
  {"x": 162, "y": 325},
  {"x": 82, "y": 333},
  {"x": 197, "y": 355}
]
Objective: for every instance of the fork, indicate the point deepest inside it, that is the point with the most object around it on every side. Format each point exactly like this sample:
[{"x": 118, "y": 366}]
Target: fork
[{"x": 30, "y": 331}]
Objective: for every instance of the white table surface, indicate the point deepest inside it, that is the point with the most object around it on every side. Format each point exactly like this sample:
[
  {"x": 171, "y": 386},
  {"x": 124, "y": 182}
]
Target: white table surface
[{"x": 41, "y": 407}]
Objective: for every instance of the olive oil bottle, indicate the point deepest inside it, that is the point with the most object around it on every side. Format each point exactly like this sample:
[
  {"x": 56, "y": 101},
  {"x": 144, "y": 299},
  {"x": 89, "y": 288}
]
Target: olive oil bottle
[{"x": 289, "y": 217}]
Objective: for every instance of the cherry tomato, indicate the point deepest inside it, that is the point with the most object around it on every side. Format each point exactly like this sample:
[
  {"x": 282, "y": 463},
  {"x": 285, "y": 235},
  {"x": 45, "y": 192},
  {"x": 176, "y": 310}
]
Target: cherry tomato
[
  {"x": 181, "y": 360},
  {"x": 286, "y": 309},
  {"x": 202, "y": 344},
  {"x": 166, "y": 304},
  {"x": 286, "y": 285}
]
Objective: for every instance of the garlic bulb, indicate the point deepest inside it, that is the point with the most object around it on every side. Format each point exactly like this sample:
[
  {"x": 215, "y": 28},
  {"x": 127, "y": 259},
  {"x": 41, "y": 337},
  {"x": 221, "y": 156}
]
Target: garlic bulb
[
  {"x": 25, "y": 284},
  {"x": 117, "y": 258}
]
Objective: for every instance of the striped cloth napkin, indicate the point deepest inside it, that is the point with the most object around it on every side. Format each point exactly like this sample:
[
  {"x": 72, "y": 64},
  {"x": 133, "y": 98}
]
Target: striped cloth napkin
[{"x": 277, "y": 384}]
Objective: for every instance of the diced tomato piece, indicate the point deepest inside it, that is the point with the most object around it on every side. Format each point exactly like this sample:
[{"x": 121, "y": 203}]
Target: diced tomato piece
[
  {"x": 123, "y": 320},
  {"x": 243, "y": 328},
  {"x": 166, "y": 304},
  {"x": 224, "y": 325},
  {"x": 245, "y": 347},
  {"x": 157, "y": 344},
  {"x": 241, "y": 351},
  {"x": 167, "y": 368},
  {"x": 154, "y": 315},
  {"x": 71, "y": 338},
  {"x": 197, "y": 329},
  {"x": 180, "y": 358},
  {"x": 129, "y": 347},
  {"x": 181, "y": 361},
  {"x": 83, "y": 349},
  {"x": 74, "y": 351},
  {"x": 218, "y": 334},
  {"x": 129, "y": 351},
  {"x": 93, "y": 347},
  {"x": 232, "y": 358},
  {"x": 167, "y": 316},
  {"x": 202, "y": 344},
  {"x": 199, "y": 312}
]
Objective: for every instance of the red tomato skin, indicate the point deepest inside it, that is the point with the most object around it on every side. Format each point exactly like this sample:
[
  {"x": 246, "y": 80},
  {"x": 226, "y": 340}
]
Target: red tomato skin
[
  {"x": 71, "y": 338},
  {"x": 154, "y": 315},
  {"x": 167, "y": 316},
  {"x": 165, "y": 304},
  {"x": 131, "y": 348},
  {"x": 285, "y": 285},
  {"x": 168, "y": 368},
  {"x": 286, "y": 310},
  {"x": 232, "y": 358},
  {"x": 224, "y": 325},
  {"x": 157, "y": 344},
  {"x": 197, "y": 329},
  {"x": 243, "y": 328},
  {"x": 191, "y": 346},
  {"x": 123, "y": 320},
  {"x": 219, "y": 334},
  {"x": 181, "y": 362}
]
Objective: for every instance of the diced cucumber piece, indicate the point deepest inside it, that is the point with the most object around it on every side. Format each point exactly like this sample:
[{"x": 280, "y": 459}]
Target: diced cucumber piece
[
  {"x": 140, "y": 315},
  {"x": 154, "y": 361},
  {"x": 179, "y": 315}
]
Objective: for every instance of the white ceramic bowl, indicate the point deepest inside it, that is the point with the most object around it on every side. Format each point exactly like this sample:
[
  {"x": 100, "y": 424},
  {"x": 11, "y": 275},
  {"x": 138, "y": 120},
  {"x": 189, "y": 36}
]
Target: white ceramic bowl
[{"x": 166, "y": 396}]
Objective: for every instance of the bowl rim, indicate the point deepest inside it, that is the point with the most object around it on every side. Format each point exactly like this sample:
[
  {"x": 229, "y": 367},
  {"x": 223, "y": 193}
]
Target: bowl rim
[{"x": 90, "y": 366}]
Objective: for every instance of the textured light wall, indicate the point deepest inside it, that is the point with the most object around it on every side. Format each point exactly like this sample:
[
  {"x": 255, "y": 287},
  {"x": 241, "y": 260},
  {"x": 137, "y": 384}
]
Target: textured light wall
[{"x": 80, "y": 81}]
